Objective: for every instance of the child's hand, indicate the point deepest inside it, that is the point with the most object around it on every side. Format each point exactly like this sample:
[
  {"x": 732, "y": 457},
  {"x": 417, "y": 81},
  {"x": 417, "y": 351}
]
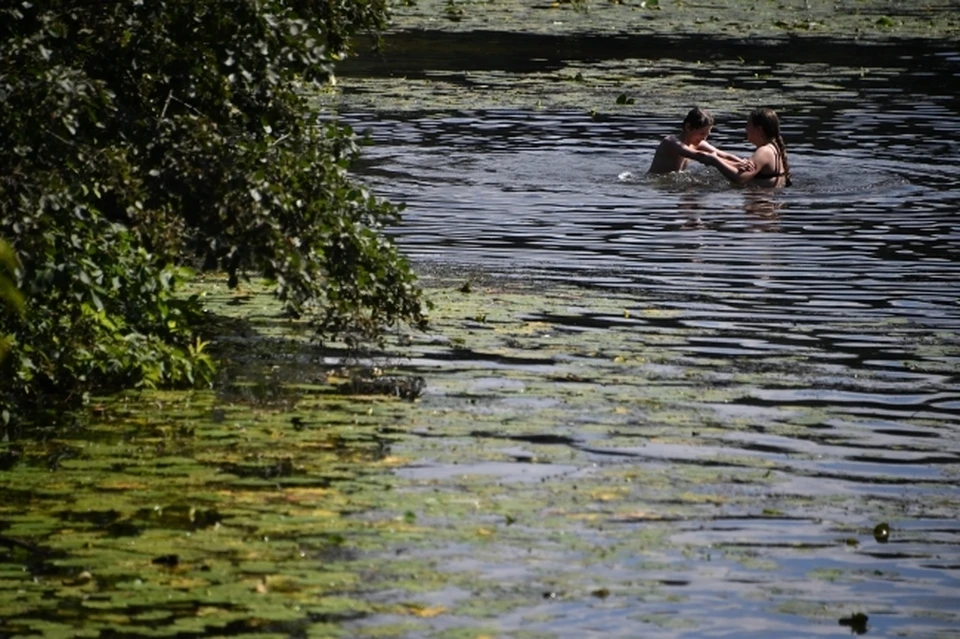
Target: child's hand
[{"x": 745, "y": 165}]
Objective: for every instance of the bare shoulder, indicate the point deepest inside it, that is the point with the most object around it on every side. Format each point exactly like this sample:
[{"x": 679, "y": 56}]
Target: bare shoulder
[
  {"x": 764, "y": 154},
  {"x": 670, "y": 141},
  {"x": 668, "y": 157}
]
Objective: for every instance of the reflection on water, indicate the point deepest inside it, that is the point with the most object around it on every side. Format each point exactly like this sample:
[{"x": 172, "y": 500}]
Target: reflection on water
[{"x": 840, "y": 292}]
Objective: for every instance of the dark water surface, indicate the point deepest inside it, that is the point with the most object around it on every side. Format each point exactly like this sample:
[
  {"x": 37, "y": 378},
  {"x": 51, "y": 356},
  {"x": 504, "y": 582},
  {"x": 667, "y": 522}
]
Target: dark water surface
[{"x": 834, "y": 306}]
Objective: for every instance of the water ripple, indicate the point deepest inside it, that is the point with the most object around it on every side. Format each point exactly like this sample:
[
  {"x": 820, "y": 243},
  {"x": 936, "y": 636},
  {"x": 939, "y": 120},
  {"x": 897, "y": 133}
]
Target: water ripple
[{"x": 825, "y": 317}]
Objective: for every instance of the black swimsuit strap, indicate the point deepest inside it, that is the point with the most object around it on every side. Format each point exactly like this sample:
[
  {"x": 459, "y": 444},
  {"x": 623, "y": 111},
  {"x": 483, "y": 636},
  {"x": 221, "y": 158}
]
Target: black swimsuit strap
[{"x": 778, "y": 169}]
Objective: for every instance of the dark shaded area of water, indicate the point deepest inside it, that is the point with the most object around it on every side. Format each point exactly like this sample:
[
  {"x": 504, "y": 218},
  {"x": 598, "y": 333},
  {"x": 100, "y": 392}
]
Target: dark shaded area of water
[{"x": 416, "y": 54}]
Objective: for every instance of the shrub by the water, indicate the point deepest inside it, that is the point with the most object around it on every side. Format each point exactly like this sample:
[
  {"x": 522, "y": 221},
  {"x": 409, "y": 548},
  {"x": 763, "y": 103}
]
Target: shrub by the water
[{"x": 138, "y": 138}]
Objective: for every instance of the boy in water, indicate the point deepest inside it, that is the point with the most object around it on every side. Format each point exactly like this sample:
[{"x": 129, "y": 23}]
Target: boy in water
[{"x": 676, "y": 151}]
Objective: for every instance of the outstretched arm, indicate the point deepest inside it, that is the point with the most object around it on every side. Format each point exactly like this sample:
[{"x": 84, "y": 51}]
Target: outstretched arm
[
  {"x": 709, "y": 148},
  {"x": 738, "y": 172},
  {"x": 733, "y": 170},
  {"x": 736, "y": 169},
  {"x": 699, "y": 154}
]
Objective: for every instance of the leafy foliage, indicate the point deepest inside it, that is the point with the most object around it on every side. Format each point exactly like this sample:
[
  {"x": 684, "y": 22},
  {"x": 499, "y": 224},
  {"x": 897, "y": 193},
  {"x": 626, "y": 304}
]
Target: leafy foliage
[
  {"x": 10, "y": 296},
  {"x": 138, "y": 138}
]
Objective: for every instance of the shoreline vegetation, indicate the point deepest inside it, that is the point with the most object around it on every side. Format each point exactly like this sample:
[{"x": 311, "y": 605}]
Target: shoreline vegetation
[{"x": 143, "y": 140}]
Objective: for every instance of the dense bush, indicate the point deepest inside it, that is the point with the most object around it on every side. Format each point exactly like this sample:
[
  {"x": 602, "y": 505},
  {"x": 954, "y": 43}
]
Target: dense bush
[{"x": 139, "y": 137}]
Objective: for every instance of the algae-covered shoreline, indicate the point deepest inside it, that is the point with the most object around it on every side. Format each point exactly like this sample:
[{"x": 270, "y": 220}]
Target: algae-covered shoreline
[
  {"x": 759, "y": 20},
  {"x": 448, "y": 56}
]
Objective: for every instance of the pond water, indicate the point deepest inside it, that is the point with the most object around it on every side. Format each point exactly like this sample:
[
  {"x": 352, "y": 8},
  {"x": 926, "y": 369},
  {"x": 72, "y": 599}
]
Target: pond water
[
  {"x": 820, "y": 322},
  {"x": 653, "y": 407}
]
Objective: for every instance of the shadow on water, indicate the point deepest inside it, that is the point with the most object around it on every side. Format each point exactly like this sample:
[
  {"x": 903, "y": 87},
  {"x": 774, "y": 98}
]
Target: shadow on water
[
  {"x": 418, "y": 53},
  {"x": 192, "y": 514}
]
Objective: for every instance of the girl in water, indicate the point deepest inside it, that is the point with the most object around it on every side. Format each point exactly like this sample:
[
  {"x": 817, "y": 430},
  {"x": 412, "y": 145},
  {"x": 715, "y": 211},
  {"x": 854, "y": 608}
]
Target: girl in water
[{"x": 768, "y": 166}]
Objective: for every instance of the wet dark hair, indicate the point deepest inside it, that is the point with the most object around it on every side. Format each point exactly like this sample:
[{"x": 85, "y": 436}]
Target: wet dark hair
[
  {"x": 769, "y": 123},
  {"x": 698, "y": 118}
]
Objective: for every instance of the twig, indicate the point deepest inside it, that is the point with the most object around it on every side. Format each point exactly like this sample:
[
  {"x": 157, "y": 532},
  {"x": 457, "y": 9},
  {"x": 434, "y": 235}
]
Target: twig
[
  {"x": 166, "y": 104},
  {"x": 189, "y": 106}
]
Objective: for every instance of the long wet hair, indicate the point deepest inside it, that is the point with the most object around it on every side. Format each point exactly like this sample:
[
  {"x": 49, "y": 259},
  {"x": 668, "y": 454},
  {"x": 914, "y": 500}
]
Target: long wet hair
[
  {"x": 769, "y": 123},
  {"x": 698, "y": 118}
]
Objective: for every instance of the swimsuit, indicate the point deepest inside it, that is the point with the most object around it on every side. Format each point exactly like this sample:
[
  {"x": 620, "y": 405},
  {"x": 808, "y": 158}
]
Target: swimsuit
[
  {"x": 767, "y": 176},
  {"x": 772, "y": 176}
]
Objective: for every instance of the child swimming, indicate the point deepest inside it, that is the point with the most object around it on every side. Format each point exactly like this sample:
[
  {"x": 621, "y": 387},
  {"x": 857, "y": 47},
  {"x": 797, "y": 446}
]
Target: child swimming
[
  {"x": 676, "y": 151},
  {"x": 769, "y": 165}
]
